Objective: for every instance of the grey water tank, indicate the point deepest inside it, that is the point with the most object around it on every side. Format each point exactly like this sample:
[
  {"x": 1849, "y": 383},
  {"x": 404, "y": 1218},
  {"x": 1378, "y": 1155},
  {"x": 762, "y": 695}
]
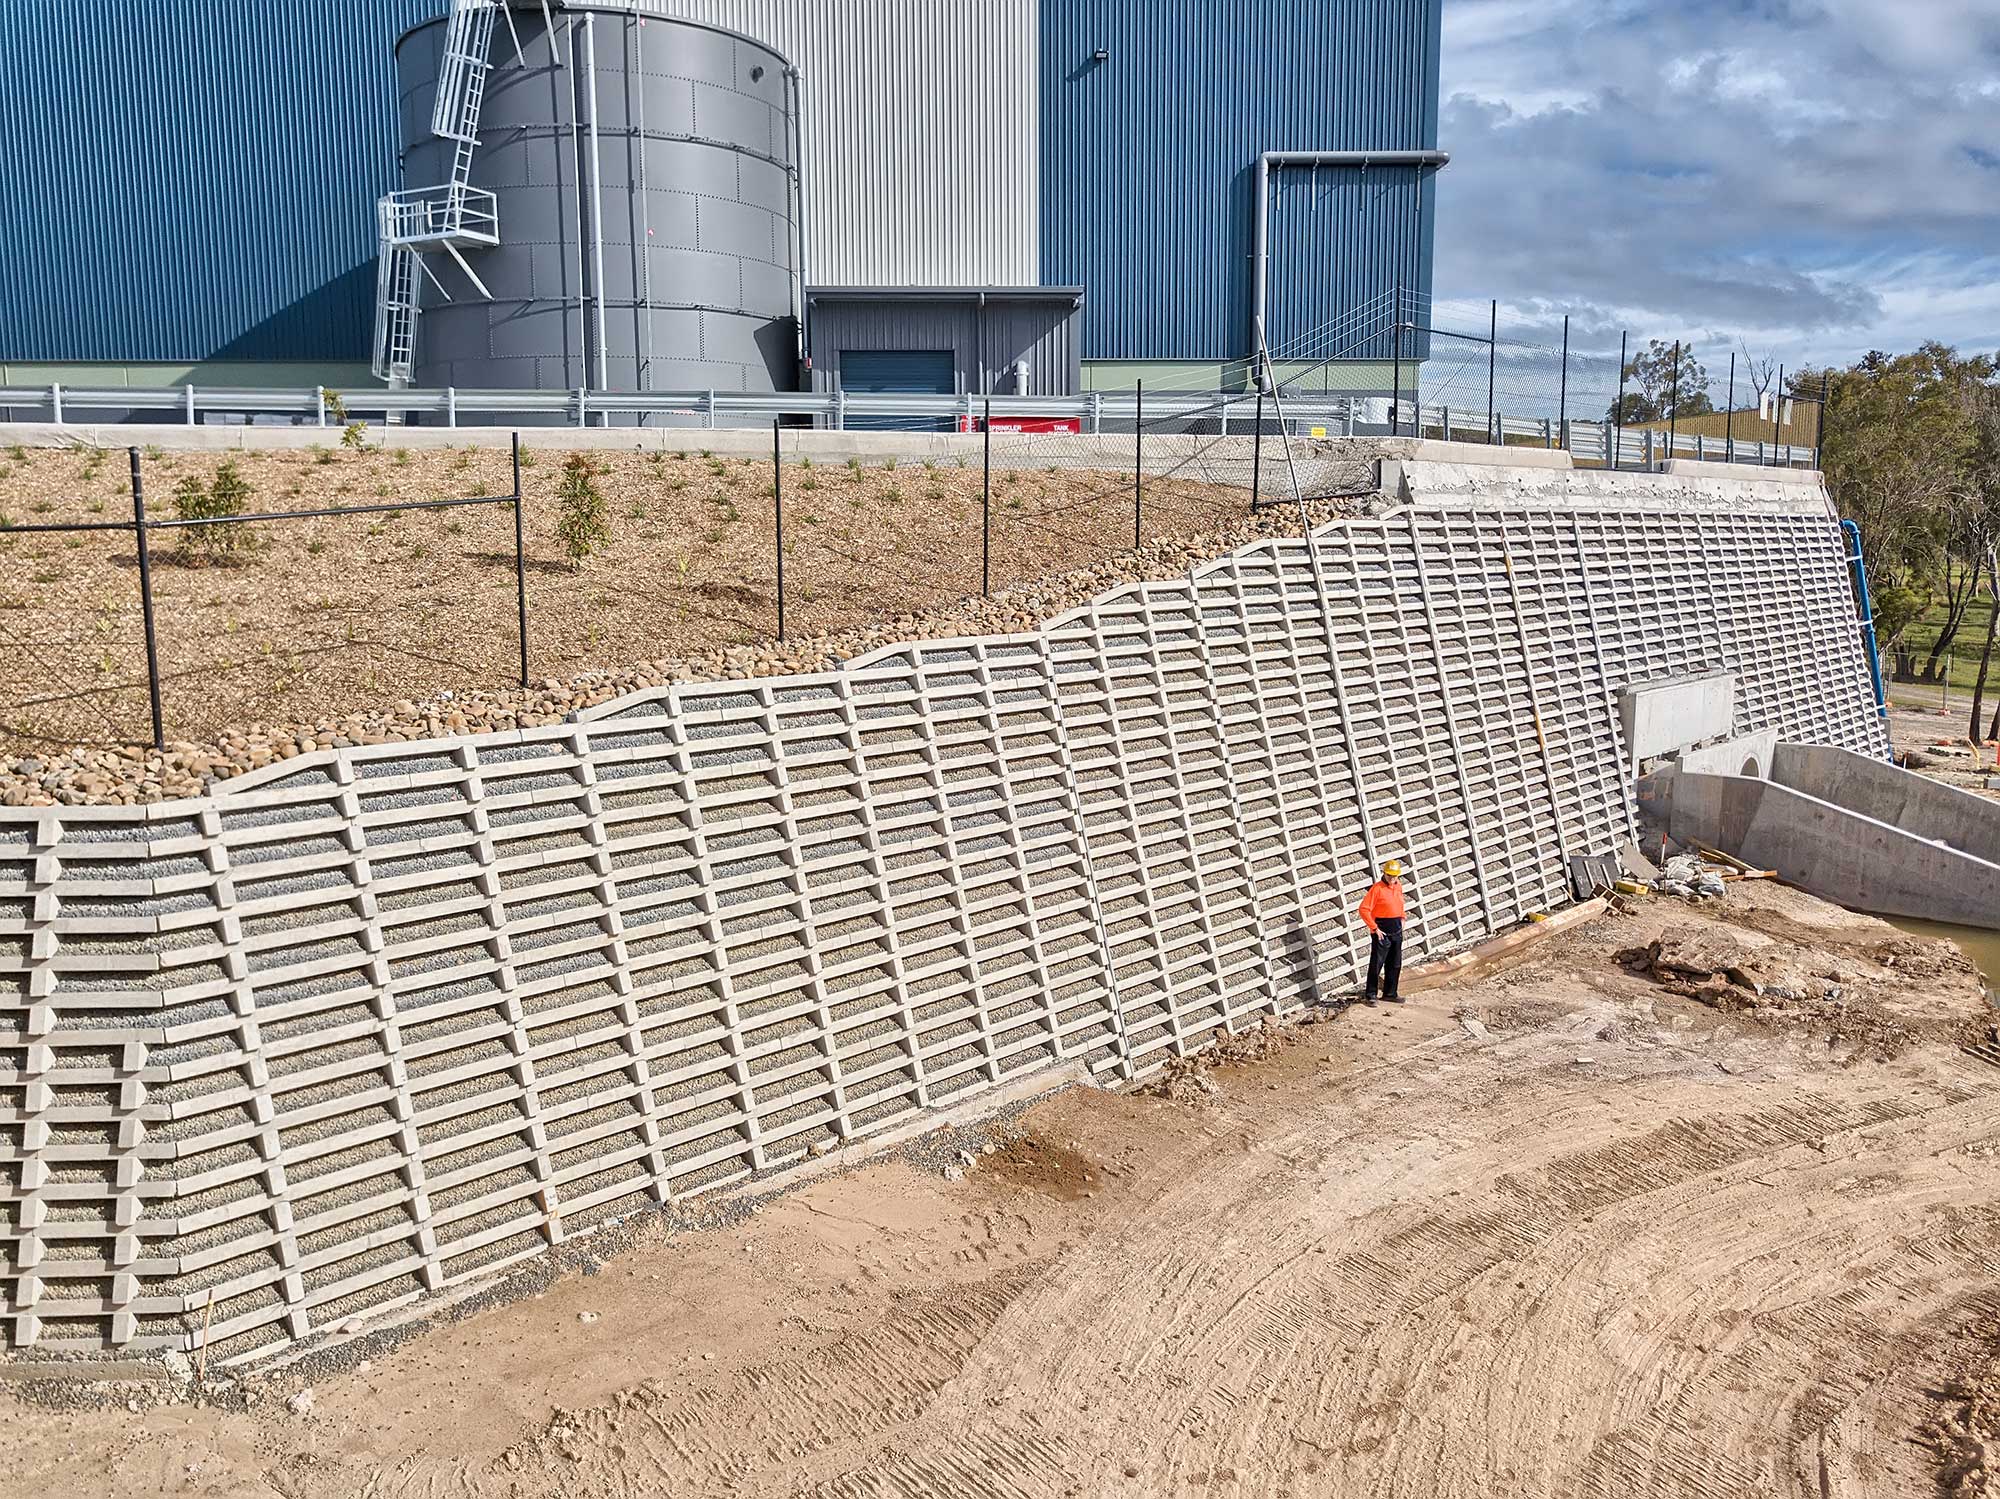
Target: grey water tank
[{"x": 647, "y": 205}]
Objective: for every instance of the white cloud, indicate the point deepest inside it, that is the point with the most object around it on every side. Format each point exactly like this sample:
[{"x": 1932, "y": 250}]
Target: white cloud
[{"x": 1820, "y": 174}]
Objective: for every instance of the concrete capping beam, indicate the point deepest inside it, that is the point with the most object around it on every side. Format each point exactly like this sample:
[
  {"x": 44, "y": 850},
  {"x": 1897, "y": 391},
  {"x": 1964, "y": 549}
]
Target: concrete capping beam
[
  {"x": 1700, "y": 468},
  {"x": 1489, "y": 454}
]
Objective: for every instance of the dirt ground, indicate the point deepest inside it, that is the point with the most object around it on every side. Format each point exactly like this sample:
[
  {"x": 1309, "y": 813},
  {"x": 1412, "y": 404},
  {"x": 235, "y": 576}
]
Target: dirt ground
[
  {"x": 1554, "y": 1232},
  {"x": 323, "y": 617},
  {"x": 1934, "y": 744}
]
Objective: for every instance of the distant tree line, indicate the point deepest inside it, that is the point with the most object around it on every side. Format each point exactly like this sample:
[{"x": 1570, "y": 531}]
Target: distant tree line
[{"x": 1911, "y": 451}]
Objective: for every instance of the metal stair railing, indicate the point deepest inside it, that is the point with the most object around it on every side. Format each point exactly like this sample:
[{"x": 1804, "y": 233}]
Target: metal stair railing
[{"x": 451, "y": 215}]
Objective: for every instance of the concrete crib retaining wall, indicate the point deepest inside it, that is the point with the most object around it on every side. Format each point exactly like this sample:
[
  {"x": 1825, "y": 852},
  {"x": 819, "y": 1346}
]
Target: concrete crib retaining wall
[{"x": 376, "y": 1022}]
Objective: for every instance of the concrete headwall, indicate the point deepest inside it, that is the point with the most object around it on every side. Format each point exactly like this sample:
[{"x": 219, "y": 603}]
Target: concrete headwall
[
  {"x": 1660, "y": 717},
  {"x": 378, "y": 1021},
  {"x": 1839, "y": 855},
  {"x": 1746, "y": 755},
  {"x": 1914, "y": 803}
]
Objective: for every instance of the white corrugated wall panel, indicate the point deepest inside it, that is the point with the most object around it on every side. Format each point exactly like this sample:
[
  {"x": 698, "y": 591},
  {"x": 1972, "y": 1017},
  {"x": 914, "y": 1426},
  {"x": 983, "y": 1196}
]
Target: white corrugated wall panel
[{"x": 922, "y": 133}]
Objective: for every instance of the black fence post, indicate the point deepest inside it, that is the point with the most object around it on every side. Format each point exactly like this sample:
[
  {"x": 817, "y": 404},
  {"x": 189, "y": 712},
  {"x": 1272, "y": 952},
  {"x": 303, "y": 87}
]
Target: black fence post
[
  {"x": 1618, "y": 411},
  {"x": 1819, "y": 427},
  {"x": 1562, "y": 399},
  {"x": 1492, "y": 353},
  {"x": 778, "y": 513},
  {"x": 1257, "y": 451},
  {"x": 1674, "y": 400},
  {"x": 1396, "y": 381},
  {"x": 1729, "y": 417},
  {"x": 986, "y": 505},
  {"x": 1777, "y": 414},
  {"x": 1138, "y": 456},
  {"x": 146, "y": 603},
  {"x": 520, "y": 564}
]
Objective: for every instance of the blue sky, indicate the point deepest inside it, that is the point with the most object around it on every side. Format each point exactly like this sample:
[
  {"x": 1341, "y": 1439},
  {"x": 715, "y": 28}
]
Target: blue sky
[{"x": 1820, "y": 177}]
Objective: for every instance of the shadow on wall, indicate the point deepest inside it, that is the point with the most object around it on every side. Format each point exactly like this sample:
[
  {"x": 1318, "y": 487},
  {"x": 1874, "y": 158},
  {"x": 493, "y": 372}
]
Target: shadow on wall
[{"x": 333, "y": 322}]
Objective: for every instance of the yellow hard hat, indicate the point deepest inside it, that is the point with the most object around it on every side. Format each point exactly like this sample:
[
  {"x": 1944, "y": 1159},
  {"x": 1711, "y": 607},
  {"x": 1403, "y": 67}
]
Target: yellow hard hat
[{"x": 1393, "y": 870}]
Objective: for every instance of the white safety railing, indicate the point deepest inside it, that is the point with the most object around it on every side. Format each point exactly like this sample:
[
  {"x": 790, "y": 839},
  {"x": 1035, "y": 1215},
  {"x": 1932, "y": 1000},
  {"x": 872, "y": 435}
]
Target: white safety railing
[
  {"x": 447, "y": 210},
  {"x": 1211, "y": 412}
]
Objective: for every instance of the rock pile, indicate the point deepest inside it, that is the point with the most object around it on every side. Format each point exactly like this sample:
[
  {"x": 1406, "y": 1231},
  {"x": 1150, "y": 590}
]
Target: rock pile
[
  {"x": 1688, "y": 877},
  {"x": 95, "y": 775}
]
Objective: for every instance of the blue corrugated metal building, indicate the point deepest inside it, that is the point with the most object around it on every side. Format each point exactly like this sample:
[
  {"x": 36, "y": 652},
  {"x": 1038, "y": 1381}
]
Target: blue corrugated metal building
[
  {"x": 1149, "y": 156},
  {"x": 207, "y": 183},
  {"x": 194, "y": 180}
]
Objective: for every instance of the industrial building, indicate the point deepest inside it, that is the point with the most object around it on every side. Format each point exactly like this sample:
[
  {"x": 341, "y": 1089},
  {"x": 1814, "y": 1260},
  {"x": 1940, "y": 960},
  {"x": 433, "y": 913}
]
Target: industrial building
[{"x": 1037, "y": 196}]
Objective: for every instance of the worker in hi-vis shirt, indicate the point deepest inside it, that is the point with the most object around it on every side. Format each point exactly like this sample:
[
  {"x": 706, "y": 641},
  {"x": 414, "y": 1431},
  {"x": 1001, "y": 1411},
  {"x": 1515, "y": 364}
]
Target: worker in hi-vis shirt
[{"x": 1382, "y": 913}]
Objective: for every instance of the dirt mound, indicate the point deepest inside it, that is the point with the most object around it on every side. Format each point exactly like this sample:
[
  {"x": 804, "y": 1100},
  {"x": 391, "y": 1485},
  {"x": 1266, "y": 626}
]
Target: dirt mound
[
  {"x": 1190, "y": 1079},
  {"x": 1862, "y": 991},
  {"x": 1044, "y": 1166}
]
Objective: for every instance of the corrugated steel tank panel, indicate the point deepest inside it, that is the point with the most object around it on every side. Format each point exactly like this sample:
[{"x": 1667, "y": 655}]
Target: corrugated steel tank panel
[
  {"x": 984, "y": 342},
  {"x": 186, "y": 180},
  {"x": 693, "y": 144},
  {"x": 1149, "y": 163},
  {"x": 921, "y": 119}
]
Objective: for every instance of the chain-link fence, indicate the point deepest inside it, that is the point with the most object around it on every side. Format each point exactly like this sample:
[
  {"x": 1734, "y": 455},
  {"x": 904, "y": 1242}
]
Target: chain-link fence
[
  {"x": 410, "y": 580},
  {"x": 1479, "y": 372}
]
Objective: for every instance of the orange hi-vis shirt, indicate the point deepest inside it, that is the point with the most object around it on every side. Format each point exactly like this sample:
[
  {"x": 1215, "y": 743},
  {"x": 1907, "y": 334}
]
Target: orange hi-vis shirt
[{"x": 1382, "y": 899}]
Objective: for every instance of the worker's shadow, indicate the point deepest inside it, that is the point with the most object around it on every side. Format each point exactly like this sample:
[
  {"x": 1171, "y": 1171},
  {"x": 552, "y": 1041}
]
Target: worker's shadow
[{"x": 1298, "y": 954}]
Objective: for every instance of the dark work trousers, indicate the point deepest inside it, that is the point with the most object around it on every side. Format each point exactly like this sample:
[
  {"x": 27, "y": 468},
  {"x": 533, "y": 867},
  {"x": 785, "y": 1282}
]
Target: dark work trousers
[{"x": 1385, "y": 957}]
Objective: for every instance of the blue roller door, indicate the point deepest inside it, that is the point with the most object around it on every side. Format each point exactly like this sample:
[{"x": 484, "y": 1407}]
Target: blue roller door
[{"x": 898, "y": 371}]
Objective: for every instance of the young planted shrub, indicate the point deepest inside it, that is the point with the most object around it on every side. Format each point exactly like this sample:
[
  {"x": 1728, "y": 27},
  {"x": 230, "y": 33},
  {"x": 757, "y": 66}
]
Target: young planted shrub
[
  {"x": 225, "y": 496},
  {"x": 582, "y": 525}
]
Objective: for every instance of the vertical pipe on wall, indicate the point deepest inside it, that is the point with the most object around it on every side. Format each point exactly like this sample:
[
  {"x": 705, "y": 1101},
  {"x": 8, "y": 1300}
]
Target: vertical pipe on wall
[
  {"x": 574, "y": 86},
  {"x": 641, "y": 236},
  {"x": 800, "y": 278},
  {"x": 146, "y": 601},
  {"x": 596, "y": 195}
]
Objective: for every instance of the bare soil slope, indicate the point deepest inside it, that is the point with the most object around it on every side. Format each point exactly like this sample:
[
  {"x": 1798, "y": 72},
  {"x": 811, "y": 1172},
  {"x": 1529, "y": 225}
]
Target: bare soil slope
[
  {"x": 1597, "y": 1238},
  {"x": 321, "y": 618}
]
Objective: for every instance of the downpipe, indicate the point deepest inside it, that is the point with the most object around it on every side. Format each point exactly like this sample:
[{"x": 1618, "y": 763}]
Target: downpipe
[{"x": 1859, "y": 570}]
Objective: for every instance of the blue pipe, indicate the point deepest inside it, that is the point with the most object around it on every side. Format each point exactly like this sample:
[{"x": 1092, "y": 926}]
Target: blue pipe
[{"x": 1860, "y": 571}]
